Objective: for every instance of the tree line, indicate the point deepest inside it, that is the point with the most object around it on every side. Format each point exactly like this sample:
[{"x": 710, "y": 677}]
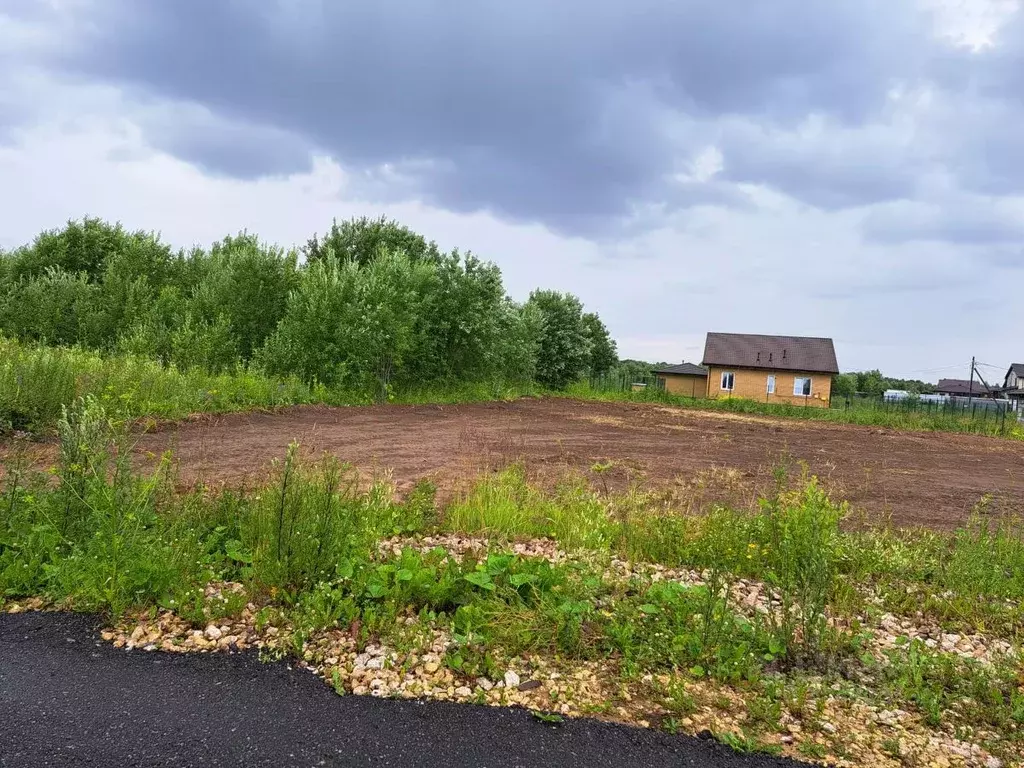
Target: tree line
[
  {"x": 873, "y": 383},
  {"x": 369, "y": 304}
]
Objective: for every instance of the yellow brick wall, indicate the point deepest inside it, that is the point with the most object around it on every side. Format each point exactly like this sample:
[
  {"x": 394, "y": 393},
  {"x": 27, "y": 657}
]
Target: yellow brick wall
[
  {"x": 687, "y": 386},
  {"x": 753, "y": 384}
]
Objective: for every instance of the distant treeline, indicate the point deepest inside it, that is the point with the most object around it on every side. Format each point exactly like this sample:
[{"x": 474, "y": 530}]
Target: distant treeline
[
  {"x": 873, "y": 383},
  {"x": 369, "y": 304}
]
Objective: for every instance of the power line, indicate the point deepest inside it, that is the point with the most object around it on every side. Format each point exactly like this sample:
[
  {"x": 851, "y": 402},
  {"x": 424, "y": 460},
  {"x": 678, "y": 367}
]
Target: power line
[{"x": 943, "y": 368}]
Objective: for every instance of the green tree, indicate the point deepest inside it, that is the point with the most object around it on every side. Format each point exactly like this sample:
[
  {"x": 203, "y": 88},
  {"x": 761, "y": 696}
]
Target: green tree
[
  {"x": 871, "y": 383},
  {"x": 361, "y": 240},
  {"x": 516, "y": 351},
  {"x": 83, "y": 247},
  {"x": 563, "y": 354},
  {"x": 57, "y": 306},
  {"x": 844, "y": 385},
  {"x": 247, "y": 283},
  {"x": 211, "y": 346},
  {"x": 151, "y": 334},
  {"x": 460, "y": 320},
  {"x": 351, "y": 324},
  {"x": 603, "y": 352}
]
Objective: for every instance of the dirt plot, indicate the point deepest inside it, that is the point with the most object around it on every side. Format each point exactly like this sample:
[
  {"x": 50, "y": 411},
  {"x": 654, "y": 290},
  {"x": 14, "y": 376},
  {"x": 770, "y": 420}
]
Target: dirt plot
[{"x": 929, "y": 479}]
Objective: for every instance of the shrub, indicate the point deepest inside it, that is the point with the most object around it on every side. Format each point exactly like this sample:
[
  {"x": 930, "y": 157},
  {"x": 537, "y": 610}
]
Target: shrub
[{"x": 96, "y": 539}]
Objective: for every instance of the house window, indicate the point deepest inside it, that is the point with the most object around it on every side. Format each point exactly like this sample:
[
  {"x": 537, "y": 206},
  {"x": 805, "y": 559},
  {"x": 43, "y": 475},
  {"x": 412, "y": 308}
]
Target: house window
[
  {"x": 728, "y": 378},
  {"x": 802, "y": 387},
  {"x": 771, "y": 385}
]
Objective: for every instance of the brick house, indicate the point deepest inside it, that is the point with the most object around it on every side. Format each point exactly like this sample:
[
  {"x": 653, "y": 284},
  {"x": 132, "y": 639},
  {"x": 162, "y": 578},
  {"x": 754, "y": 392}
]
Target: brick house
[
  {"x": 684, "y": 379},
  {"x": 774, "y": 369}
]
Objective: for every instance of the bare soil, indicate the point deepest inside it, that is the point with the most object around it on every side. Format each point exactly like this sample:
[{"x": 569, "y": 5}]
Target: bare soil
[{"x": 915, "y": 478}]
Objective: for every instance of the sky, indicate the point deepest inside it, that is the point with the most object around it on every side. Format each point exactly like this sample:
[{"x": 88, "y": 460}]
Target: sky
[{"x": 850, "y": 168}]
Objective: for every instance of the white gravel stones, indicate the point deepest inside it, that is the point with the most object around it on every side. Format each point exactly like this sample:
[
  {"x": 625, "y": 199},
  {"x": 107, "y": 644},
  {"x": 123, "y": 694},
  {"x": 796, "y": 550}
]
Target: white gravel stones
[{"x": 511, "y": 679}]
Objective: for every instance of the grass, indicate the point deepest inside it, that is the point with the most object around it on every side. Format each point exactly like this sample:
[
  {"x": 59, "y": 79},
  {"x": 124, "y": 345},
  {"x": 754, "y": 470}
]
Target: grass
[
  {"x": 38, "y": 381},
  {"x": 96, "y": 536},
  {"x": 902, "y": 418}
]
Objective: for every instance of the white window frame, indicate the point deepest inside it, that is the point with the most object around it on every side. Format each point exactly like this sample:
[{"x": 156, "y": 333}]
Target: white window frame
[
  {"x": 732, "y": 380},
  {"x": 771, "y": 384},
  {"x": 798, "y": 391}
]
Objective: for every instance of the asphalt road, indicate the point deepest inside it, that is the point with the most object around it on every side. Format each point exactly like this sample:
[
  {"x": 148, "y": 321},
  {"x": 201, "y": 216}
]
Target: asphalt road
[{"x": 68, "y": 699}]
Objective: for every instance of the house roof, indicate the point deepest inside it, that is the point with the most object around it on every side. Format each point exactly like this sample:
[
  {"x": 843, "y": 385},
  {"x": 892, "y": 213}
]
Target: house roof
[
  {"x": 790, "y": 353},
  {"x": 961, "y": 387},
  {"x": 683, "y": 369},
  {"x": 1017, "y": 368}
]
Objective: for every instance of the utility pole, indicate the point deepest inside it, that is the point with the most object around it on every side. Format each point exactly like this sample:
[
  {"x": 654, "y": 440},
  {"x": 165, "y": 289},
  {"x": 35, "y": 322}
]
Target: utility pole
[{"x": 970, "y": 391}]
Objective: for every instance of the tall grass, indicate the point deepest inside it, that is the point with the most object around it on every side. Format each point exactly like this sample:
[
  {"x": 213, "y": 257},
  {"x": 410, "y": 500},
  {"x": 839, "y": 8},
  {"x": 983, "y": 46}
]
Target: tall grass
[
  {"x": 96, "y": 538},
  {"x": 505, "y": 505},
  {"x": 313, "y": 524},
  {"x": 37, "y": 381},
  {"x": 895, "y": 418}
]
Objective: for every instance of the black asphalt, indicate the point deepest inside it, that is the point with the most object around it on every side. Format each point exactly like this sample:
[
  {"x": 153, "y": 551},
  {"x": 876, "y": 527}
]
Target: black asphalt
[{"x": 68, "y": 699}]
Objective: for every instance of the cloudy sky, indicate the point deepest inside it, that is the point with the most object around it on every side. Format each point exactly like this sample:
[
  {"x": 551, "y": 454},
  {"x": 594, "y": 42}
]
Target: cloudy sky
[{"x": 849, "y": 168}]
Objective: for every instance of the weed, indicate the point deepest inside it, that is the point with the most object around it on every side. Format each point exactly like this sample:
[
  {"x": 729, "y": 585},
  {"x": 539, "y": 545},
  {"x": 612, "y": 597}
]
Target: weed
[
  {"x": 549, "y": 718},
  {"x": 811, "y": 748}
]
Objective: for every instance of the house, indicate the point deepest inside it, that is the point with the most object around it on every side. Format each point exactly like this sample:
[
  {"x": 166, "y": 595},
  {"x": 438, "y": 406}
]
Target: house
[
  {"x": 774, "y": 369},
  {"x": 962, "y": 388},
  {"x": 684, "y": 379},
  {"x": 1013, "y": 386}
]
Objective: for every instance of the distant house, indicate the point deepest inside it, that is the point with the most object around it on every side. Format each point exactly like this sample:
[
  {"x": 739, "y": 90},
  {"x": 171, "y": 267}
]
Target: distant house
[
  {"x": 1013, "y": 386},
  {"x": 962, "y": 388},
  {"x": 774, "y": 369},
  {"x": 684, "y": 379}
]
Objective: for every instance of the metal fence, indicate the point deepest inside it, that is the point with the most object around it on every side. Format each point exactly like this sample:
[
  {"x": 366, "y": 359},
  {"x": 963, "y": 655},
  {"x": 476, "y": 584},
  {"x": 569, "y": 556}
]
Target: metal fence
[
  {"x": 985, "y": 410},
  {"x": 625, "y": 383}
]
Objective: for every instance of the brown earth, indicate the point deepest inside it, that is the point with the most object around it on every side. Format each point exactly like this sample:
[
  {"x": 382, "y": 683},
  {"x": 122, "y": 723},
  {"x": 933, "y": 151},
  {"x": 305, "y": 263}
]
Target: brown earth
[{"x": 917, "y": 478}]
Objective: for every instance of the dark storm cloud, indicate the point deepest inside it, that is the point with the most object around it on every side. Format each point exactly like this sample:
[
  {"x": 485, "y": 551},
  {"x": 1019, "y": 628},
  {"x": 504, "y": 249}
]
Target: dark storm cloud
[
  {"x": 984, "y": 147},
  {"x": 231, "y": 149},
  {"x": 830, "y": 167},
  {"x": 573, "y": 113}
]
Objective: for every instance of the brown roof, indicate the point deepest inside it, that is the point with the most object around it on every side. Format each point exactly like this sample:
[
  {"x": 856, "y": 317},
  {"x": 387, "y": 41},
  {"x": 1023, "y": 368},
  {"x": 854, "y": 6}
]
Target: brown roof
[
  {"x": 788, "y": 353},
  {"x": 683, "y": 369},
  {"x": 961, "y": 387}
]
